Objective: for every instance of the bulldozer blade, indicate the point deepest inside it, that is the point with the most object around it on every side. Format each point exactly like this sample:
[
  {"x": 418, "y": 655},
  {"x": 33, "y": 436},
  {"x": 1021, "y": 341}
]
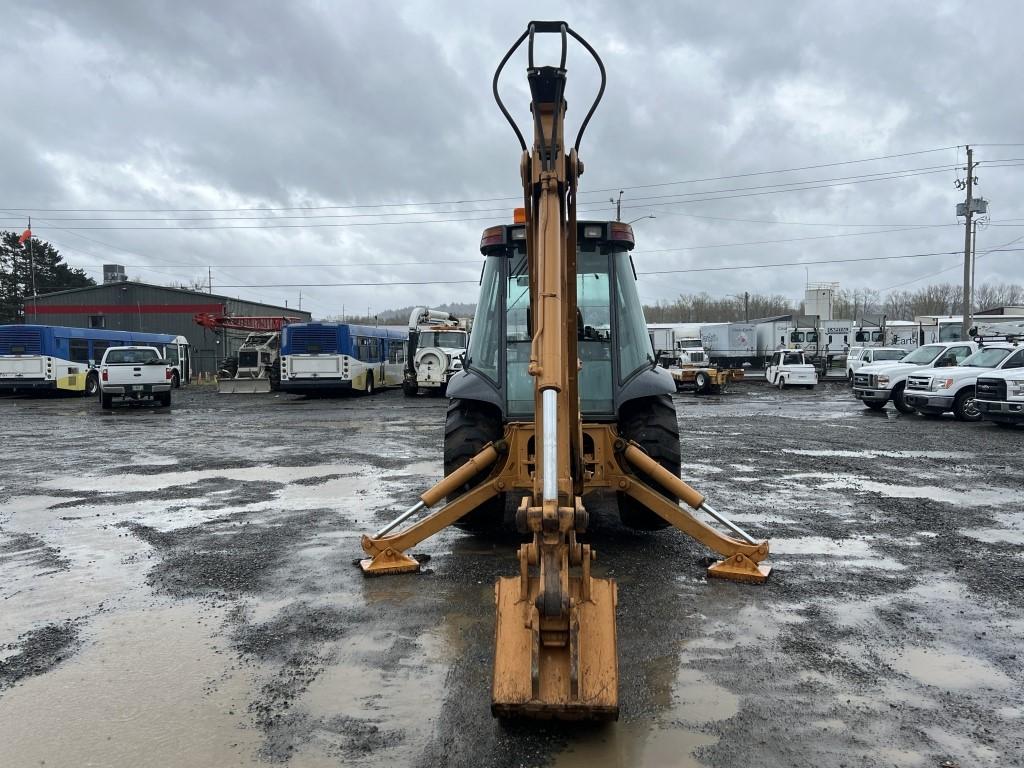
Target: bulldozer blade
[
  {"x": 739, "y": 567},
  {"x": 575, "y": 681},
  {"x": 243, "y": 386}
]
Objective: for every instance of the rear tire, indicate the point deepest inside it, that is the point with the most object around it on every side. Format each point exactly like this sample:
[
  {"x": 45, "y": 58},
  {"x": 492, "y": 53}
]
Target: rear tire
[
  {"x": 163, "y": 399},
  {"x": 368, "y": 390},
  {"x": 106, "y": 402},
  {"x": 900, "y": 401},
  {"x": 92, "y": 385},
  {"x": 782, "y": 383},
  {"x": 469, "y": 426},
  {"x": 651, "y": 423},
  {"x": 175, "y": 380}
]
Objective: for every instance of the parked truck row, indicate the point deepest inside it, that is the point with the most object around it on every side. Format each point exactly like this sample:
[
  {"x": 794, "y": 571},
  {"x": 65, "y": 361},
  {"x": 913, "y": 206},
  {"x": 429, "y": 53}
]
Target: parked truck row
[{"x": 978, "y": 379}]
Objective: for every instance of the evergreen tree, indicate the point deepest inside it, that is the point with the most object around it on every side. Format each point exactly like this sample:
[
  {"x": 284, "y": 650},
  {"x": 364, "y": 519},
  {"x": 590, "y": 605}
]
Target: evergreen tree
[{"x": 51, "y": 274}]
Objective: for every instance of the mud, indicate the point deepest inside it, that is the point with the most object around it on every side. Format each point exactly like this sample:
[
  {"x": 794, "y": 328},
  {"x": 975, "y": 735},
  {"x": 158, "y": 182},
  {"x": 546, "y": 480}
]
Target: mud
[{"x": 189, "y": 573}]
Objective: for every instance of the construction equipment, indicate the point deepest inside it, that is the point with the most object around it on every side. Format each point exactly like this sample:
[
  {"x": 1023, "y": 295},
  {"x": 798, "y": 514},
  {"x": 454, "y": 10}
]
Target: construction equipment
[
  {"x": 560, "y": 396},
  {"x": 257, "y": 368},
  {"x": 704, "y": 379},
  {"x": 437, "y": 343}
]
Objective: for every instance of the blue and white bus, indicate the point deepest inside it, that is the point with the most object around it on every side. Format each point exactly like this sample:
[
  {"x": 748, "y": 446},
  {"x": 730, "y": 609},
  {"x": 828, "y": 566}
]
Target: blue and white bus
[
  {"x": 60, "y": 359},
  {"x": 339, "y": 357}
]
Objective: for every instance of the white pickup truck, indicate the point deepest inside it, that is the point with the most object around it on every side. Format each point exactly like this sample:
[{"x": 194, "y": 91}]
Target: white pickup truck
[
  {"x": 789, "y": 368},
  {"x": 134, "y": 374},
  {"x": 861, "y": 356},
  {"x": 941, "y": 390},
  {"x": 999, "y": 395},
  {"x": 877, "y": 384}
]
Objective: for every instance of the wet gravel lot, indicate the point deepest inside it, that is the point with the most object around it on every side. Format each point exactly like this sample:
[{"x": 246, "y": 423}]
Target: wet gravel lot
[{"x": 177, "y": 588}]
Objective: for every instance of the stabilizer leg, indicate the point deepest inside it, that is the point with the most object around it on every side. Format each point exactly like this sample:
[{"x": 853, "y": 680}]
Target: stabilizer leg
[{"x": 743, "y": 558}]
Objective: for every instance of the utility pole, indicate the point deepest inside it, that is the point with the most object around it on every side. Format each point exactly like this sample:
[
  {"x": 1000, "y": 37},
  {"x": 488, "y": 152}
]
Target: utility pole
[
  {"x": 968, "y": 217},
  {"x": 746, "y": 306},
  {"x": 618, "y": 206},
  {"x": 209, "y": 278}
]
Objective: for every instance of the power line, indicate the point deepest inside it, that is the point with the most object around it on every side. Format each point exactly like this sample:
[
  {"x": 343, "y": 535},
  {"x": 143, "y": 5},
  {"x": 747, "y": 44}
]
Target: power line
[
  {"x": 486, "y": 199},
  {"x": 832, "y": 181},
  {"x": 336, "y": 225},
  {"x": 652, "y": 272}
]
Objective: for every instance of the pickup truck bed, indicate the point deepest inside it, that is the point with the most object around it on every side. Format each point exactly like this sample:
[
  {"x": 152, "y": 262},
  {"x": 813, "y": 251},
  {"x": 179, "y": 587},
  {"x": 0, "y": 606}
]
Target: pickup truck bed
[{"x": 134, "y": 374}]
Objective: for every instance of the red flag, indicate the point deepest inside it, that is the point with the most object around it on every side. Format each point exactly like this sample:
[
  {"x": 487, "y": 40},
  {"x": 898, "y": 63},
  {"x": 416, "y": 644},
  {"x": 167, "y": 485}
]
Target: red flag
[{"x": 24, "y": 236}]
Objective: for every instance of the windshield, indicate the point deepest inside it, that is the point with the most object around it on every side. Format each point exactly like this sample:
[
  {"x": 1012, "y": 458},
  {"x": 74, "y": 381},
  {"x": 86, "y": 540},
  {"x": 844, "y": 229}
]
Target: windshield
[
  {"x": 793, "y": 359},
  {"x": 132, "y": 356},
  {"x": 690, "y": 344},
  {"x": 451, "y": 339},
  {"x": 889, "y": 354},
  {"x": 987, "y": 358},
  {"x": 924, "y": 355}
]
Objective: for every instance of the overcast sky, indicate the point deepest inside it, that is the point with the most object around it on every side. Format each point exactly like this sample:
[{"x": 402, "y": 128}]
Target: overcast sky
[{"x": 144, "y": 118}]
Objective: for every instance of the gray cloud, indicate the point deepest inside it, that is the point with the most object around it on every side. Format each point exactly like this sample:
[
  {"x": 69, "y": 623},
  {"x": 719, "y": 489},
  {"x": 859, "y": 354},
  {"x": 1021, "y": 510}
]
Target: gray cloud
[{"x": 271, "y": 105}]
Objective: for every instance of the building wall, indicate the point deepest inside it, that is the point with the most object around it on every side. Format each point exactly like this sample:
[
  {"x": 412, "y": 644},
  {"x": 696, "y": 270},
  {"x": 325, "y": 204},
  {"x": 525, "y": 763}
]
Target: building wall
[{"x": 130, "y": 306}]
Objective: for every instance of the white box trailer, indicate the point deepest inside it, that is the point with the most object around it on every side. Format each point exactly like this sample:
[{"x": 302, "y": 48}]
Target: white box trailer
[
  {"x": 730, "y": 344},
  {"x": 771, "y": 335}
]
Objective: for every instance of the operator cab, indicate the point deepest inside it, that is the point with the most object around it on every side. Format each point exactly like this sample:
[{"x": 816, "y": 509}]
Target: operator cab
[{"x": 614, "y": 346}]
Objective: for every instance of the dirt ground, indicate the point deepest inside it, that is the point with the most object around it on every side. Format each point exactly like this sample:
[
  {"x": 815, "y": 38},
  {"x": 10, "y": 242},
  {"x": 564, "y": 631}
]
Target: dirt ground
[{"x": 177, "y": 589}]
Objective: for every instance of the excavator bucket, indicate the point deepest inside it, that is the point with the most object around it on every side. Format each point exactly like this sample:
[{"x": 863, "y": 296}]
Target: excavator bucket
[
  {"x": 243, "y": 386},
  {"x": 576, "y": 679}
]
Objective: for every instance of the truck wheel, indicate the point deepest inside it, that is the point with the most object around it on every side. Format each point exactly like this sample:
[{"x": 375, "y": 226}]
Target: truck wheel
[
  {"x": 92, "y": 385},
  {"x": 849, "y": 376},
  {"x": 368, "y": 390},
  {"x": 175, "y": 380},
  {"x": 701, "y": 383},
  {"x": 964, "y": 407},
  {"x": 468, "y": 427},
  {"x": 900, "y": 401},
  {"x": 409, "y": 390},
  {"x": 106, "y": 402},
  {"x": 874, "y": 405},
  {"x": 651, "y": 423},
  {"x": 782, "y": 383},
  {"x": 163, "y": 399}
]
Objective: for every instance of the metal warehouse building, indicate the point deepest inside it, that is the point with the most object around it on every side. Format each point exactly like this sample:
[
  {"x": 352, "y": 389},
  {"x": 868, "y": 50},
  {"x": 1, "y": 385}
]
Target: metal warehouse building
[{"x": 131, "y": 306}]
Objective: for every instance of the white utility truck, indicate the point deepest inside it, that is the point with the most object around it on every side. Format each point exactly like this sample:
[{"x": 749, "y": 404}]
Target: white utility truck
[
  {"x": 135, "y": 374},
  {"x": 861, "y": 356},
  {"x": 940, "y": 390},
  {"x": 789, "y": 368},
  {"x": 436, "y": 347},
  {"x": 999, "y": 396},
  {"x": 877, "y": 384}
]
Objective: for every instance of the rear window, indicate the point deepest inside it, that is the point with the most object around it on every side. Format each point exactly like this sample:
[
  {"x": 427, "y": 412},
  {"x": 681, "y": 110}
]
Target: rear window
[
  {"x": 890, "y": 354},
  {"x": 132, "y": 356}
]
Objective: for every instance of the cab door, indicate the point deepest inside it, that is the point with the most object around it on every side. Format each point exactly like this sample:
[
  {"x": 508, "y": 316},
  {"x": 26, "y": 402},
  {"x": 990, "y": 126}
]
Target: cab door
[{"x": 771, "y": 373}]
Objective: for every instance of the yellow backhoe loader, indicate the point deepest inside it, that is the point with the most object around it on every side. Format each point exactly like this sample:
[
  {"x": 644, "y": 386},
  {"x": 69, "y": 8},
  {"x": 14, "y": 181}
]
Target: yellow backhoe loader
[{"x": 560, "y": 396}]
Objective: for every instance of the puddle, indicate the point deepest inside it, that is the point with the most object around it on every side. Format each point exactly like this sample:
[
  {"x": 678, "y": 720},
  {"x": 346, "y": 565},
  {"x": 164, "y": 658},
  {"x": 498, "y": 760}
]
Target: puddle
[
  {"x": 949, "y": 670},
  {"x": 974, "y": 497},
  {"x": 873, "y": 454},
  {"x": 148, "y": 688},
  {"x": 622, "y": 745},
  {"x": 160, "y": 480},
  {"x": 404, "y": 698},
  {"x": 995, "y": 535},
  {"x": 856, "y": 552}
]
